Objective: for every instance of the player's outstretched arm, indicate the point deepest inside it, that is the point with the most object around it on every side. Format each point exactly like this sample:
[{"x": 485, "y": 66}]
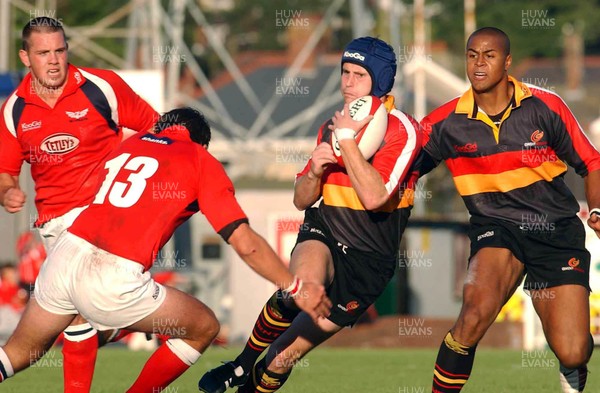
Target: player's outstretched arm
[
  {"x": 257, "y": 253},
  {"x": 11, "y": 196},
  {"x": 592, "y": 193}
]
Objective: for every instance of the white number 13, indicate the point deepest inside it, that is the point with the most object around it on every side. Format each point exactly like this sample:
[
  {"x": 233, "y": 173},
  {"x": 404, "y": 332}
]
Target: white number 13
[{"x": 126, "y": 194}]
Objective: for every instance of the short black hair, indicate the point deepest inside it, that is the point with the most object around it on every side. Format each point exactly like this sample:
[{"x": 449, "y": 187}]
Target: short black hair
[
  {"x": 493, "y": 31},
  {"x": 187, "y": 117},
  {"x": 41, "y": 24}
]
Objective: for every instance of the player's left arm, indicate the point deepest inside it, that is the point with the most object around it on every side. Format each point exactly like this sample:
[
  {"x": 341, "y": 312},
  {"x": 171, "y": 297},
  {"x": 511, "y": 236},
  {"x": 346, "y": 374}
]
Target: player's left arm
[
  {"x": 592, "y": 194},
  {"x": 567, "y": 138},
  {"x": 572, "y": 145}
]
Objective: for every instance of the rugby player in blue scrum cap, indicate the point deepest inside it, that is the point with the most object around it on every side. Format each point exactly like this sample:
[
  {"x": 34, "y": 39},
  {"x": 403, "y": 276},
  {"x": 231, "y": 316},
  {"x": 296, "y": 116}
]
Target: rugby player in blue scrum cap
[{"x": 350, "y": 241}]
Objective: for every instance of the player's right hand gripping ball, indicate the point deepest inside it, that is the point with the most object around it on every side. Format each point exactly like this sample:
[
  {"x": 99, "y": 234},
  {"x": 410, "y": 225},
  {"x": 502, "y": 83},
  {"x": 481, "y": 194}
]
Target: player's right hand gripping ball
[{"x": 370, "y": 137}]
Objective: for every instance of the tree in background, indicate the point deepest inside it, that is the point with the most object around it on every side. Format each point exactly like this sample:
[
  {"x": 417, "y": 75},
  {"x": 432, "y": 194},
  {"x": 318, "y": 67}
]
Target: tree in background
[{"x": 535, "y": 26}]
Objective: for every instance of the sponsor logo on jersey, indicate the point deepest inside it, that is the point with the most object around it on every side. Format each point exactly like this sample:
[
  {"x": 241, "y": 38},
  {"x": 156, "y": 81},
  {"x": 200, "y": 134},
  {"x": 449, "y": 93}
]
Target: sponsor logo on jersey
[
  {"x": 484, "y": 235},
  {"x": 59, "y": 143},
  {"x": 468, "y": 148},
  {"x": 79, "y": 115},
  {"x": 155, "y": 139},
  {"x": 78, "y": 77},
  {"x": 573, "y": 265},
  {"x": 536, "y": 137},
  {"x": 351, "y": 306},
  {"x": 354, "y": 55},
  {"x": 34, "y": 125}
]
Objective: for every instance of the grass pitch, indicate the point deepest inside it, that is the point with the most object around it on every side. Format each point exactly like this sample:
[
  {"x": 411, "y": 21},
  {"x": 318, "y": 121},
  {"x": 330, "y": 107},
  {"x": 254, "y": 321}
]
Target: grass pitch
[{"x": 326, "y": 370}]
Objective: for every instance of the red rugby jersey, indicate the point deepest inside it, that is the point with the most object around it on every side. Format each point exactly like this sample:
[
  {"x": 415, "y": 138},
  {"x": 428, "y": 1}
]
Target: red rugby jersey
[
  {"x": 513, "y": 171},
  {"x": 66, "y": 145},
  {"x": 151, "y": 185},
  {"x": 373, "y": 231}
]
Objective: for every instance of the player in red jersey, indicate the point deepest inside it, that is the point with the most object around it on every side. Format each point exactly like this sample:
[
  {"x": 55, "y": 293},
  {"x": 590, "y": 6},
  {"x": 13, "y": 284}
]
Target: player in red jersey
[
  {"x": 99, "y": 267},
  {"x": 63, "y": 121},
  {"x": 350, "y": 242},
  {"x": 507, "y": 144}
]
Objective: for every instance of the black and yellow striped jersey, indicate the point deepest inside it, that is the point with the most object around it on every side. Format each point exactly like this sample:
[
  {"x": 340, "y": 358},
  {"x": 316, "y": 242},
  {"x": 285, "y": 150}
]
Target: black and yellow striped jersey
[
  {"x": 513, "y": 170},
  {"x": 373, "y": 231}
]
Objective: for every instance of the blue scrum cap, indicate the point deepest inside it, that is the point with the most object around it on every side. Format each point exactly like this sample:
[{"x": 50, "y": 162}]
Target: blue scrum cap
[{"x": 377, "y": 57}]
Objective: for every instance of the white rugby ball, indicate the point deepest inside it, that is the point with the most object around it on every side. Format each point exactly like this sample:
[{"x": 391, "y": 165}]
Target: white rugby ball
[{"x": 370, "y": 137}]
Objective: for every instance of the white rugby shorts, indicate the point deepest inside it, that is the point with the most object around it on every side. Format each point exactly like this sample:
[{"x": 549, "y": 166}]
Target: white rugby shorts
[
  {"x": 109, "y": 291},
  {"x": 52, "y": 229}
]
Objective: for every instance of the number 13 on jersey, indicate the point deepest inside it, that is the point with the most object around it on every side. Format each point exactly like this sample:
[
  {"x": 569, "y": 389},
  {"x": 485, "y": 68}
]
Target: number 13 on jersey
[{"x": 126, "y": 194}]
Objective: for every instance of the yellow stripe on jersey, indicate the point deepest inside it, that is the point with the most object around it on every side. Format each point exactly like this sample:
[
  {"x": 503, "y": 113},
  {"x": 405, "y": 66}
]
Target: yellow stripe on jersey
[
  {"x": 408, "y": 198},
  {"x": 342, "y": 196},
  {"x": 509, "y": 180},
  {"x": 448, "y": 380}
]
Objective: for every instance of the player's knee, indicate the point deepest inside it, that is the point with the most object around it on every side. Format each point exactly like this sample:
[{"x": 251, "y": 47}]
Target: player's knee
[
  {"x": 573, "y": 357},
  {"x": 210, "y": 327},
  {"x": 474, "y": 320}
]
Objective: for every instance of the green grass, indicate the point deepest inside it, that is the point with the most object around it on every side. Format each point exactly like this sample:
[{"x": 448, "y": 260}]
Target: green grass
[{"x": 326, "y": 370}]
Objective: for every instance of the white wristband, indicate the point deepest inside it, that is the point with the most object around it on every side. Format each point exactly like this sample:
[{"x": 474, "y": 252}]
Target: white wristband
[
  {"x": 596, "y": 211},
  {"x": 344, "y": 133}
]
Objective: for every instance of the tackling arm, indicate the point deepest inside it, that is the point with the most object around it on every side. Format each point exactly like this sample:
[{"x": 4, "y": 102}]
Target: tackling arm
[{"x": 257, "y": 253}]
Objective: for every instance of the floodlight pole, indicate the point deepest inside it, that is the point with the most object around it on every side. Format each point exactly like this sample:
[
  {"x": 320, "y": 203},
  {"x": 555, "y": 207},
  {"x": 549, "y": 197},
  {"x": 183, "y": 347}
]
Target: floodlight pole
[
  {"x": 419, "y": 31},
  {"x": 358, "y": 14}
]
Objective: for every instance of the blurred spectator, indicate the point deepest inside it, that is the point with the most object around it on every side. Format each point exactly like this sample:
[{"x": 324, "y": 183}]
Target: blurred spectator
[
  {"x": 170, "y": 278},
  {"x": 31, "y": 254},
  {"x": 12, "y": 300},
  {"x": 10, "y": 292}
]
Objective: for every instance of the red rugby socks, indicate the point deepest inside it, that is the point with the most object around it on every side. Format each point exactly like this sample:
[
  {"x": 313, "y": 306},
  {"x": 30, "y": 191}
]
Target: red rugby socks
[
  {"x": 165, "y": 365},
  {"x": 80, "y": 347}
]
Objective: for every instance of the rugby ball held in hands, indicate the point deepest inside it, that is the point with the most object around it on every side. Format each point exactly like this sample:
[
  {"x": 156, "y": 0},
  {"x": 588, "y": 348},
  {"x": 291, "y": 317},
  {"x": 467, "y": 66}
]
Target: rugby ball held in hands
[{"x": 370, "y": 137}]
